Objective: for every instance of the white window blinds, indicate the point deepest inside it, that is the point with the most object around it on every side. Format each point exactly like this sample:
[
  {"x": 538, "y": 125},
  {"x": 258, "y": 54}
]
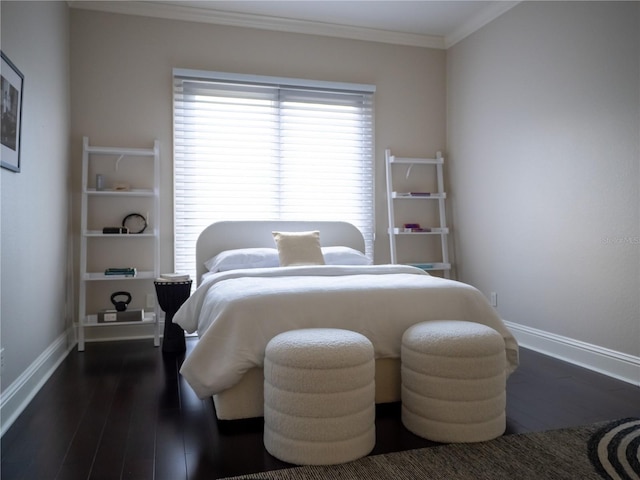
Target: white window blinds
[{"x": 261, "y": 148}]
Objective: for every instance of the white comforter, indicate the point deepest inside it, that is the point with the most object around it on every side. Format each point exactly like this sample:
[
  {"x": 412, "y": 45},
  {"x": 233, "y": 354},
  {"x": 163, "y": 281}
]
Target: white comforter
[{"x": 236, "y": 313}]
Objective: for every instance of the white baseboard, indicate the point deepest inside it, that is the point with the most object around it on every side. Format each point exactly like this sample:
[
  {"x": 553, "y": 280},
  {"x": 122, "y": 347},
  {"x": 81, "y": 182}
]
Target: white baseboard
[
  {"x": 15, "y": 398},
  {"x": 599, "y": 359}
]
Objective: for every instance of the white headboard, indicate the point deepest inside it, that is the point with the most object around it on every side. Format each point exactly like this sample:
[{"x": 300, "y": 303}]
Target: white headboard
[{"x": 229, "y": 235}]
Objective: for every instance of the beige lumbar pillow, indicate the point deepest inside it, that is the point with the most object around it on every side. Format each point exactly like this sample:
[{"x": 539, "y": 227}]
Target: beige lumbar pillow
[{"x": 299, "y": 248}]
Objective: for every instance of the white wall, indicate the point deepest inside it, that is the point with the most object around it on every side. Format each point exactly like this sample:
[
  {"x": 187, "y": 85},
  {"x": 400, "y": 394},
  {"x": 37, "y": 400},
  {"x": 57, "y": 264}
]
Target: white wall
[
  {"x": 121, "y": 79},
  {"x": 35, "y": 202},
  {"x": 543, "y": 136}
]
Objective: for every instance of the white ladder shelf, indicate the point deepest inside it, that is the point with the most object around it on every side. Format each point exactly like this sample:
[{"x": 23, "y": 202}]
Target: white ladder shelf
[
  {"x": 94, "y": 242},
  {"x": 394, "y": 197}
]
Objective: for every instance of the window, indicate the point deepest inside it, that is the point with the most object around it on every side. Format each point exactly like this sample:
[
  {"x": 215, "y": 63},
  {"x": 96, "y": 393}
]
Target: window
[{"x": 264, "y": 148}]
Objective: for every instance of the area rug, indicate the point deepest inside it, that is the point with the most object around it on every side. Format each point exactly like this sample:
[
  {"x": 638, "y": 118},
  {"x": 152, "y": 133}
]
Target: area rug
[{"x": 608, "y": 451}]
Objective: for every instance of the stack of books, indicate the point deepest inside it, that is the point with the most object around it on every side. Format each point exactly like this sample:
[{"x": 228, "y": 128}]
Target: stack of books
[
  {"x": 125, "y": 271},
  {"x": 413, "y": 194},
  {"x": 173, "y": 277},
  {"x": 414, "y": 227},
  {"x": 110, "y": 315}
]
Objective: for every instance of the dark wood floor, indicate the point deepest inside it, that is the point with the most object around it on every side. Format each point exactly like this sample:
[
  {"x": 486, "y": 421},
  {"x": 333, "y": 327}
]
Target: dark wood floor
[{"x": 121, "y": 410}]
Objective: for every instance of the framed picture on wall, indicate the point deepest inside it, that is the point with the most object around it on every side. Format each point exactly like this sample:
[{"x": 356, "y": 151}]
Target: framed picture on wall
[{"x": 11, "y": 87}]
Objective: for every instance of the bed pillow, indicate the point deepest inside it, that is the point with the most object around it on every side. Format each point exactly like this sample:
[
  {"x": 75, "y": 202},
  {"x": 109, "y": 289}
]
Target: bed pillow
[
  {"x": 299, "y": 248},
  {"x": 243, "y": 258},
  {"x": 344, "y": 256}
]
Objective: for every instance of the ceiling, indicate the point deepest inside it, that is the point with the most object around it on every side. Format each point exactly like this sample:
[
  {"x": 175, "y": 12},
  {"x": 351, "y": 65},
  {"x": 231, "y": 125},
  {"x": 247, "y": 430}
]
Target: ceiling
[{"x": 434, "y": 24}]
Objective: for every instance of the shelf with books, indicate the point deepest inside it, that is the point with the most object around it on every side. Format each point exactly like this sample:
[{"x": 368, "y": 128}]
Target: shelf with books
[
  {"x": 428, "y": 187},
  {"x": 126, "y": 192}
]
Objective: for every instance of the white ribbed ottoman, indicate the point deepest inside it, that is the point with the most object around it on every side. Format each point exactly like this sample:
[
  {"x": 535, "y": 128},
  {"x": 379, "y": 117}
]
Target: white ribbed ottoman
[
  {"x": 453, "y": 381},
  {"x": 319, "y": 396}
]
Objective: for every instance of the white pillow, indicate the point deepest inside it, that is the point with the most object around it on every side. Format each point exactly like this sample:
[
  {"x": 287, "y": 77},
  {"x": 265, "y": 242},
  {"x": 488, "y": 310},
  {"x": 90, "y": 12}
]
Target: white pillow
[
  {"x": 299, "y": 248},
  {"x": 344, "y": 256},
  {"x": 243, "y": 258}
]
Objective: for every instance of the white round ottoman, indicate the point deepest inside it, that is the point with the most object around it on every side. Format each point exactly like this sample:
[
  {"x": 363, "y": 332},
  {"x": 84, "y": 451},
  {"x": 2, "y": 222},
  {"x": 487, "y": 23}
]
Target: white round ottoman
[
  {"x": 453, "y": 381},
  {"x": 319, "y": 396}
]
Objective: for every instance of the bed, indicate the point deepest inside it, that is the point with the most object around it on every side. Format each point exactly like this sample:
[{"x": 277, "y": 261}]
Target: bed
[{"x": 245, "y": 297}]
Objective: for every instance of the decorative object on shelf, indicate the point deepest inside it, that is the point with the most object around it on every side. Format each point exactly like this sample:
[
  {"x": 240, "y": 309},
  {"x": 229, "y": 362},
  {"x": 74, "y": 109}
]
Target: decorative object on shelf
[
  {"x": 171, "y": 296},
  {"x": 121, "y": 305},
  {"x": 135, "y": 223},
  {"x": 12, "y": 82},
  {"x": 121, "y": 187},
  {"x": 99, "y": 182}
]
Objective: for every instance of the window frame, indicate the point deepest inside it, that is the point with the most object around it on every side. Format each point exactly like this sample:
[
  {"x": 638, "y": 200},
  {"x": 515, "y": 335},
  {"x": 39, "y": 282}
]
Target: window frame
[{"x": 284, "y": 84}]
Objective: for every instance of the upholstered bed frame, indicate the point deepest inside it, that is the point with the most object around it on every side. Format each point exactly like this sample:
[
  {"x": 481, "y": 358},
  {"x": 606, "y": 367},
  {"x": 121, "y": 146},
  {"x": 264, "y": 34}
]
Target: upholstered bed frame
[{"x": 245, "y": 399}]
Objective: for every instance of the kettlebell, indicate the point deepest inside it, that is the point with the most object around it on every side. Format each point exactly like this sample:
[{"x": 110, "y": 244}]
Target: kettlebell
[{"x": 121, "y": 305}]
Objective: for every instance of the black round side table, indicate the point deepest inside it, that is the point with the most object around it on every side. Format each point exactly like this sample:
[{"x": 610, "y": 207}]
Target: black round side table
[{"x": 171, "y": 295}]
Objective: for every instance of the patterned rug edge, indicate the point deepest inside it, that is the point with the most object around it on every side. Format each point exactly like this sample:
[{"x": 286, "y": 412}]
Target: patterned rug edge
[{"x": 605, "y": 450}]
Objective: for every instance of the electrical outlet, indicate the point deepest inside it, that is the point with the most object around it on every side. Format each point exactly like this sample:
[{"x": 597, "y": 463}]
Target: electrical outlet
[
  {"x": 494, "y": 299},
  {"x": 151, "y": 300}
]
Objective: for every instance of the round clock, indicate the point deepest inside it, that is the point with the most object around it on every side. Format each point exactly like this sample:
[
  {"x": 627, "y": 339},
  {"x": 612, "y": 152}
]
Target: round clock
[{"x": 135, "y": 223}]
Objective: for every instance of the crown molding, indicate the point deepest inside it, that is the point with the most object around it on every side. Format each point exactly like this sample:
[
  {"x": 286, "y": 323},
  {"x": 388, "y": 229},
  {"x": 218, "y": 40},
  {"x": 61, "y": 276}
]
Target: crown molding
[
  {"x": 217, "y": 17},
  {"x": 173, "y": 11},
  {"x": 488, "y": 14}
]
